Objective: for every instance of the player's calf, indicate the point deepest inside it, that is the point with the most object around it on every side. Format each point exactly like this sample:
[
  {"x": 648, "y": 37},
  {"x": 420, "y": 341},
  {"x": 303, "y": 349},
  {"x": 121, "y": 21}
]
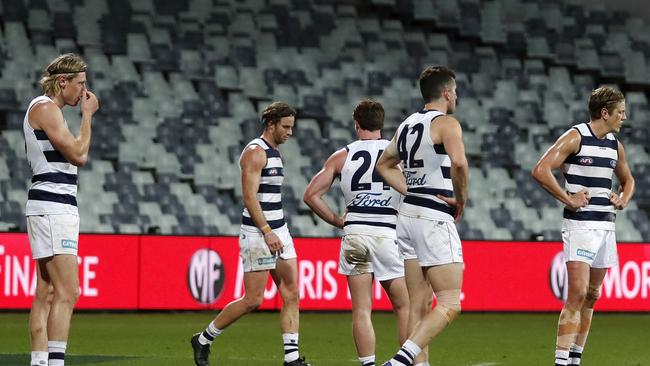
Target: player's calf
[
  {"x": 251, "y": 302},
  {"x": 586, "y": 314},
  {"x": 567, "y": 329}
]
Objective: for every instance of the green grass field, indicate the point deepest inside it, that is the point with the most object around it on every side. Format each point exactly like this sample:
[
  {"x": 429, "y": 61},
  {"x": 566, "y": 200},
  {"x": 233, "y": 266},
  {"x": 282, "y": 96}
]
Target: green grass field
[{"x": 474, "y": 339}]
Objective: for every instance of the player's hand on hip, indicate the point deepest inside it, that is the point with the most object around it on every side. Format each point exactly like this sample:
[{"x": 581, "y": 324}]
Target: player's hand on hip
[
  {"x": 458, "y": 206},
  {"x": 579, "y": 199},
  {"x": 340, "y": 221},
  {"x": 617, "y": 201},
  {"x": 89, "y": 103},
  {"x": 274, "y": 243}
]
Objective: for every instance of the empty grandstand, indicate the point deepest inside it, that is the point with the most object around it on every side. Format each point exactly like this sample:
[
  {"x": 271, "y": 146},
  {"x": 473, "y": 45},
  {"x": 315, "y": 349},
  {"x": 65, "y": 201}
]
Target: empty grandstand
[{"x": 181, "y": 84}]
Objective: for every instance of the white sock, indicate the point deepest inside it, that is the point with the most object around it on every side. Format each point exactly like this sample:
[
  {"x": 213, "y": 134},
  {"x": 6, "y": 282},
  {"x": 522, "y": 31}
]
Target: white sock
[
  {"x": 209, "y": 334},
  {"x": 56, "y": 353},
  {"x": 39, "y": 358},
  {"x": 561, "y": 357},
  {"x": 406, "y": 354},
  {"x": 290, "y": 346},
  {"x": 410, "y": 346},
  {"x": 575, "y": 355},
  {"x": 422, "y": 364},
  {"x": 367, "y": 361}
]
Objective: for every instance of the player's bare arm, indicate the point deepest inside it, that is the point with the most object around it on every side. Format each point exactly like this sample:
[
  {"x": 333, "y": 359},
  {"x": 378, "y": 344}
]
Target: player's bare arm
[
  {"x": 321, "y": 184},
  {"x": 387, "y": 167},
  {"x": 451, "y": 136},
  {"x": 624, "y": 175},
  {"x": 49, "y": 118},
  {"x": 252, "y": 162},
  {"x": 553, "y": 158}
]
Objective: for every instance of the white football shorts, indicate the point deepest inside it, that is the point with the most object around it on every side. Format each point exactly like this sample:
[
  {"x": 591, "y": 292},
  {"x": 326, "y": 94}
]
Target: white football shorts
[
  {"x": 594, "y": 247},
  {"x": 256, "y": 255},
  {"x": 362, "y": 253},
  {"x": 431, "y": 242},
  {"x": 51, "y": 235}
]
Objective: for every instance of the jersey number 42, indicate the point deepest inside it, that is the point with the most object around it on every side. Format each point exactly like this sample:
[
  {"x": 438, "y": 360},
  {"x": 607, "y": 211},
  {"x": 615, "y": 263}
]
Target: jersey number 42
[{"x": 408, "y": 157}]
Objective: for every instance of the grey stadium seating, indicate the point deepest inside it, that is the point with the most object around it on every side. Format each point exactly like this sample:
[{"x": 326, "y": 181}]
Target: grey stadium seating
[{"x": 181, "y": 84}]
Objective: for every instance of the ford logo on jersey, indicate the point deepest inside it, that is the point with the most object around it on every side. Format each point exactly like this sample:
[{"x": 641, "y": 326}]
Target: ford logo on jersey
[
  {"x": 586, "y": 161},
  {"x": 368, "y": 200},
  {"x": 273, "y": 171},
  {"x": 413, "y": 181}
]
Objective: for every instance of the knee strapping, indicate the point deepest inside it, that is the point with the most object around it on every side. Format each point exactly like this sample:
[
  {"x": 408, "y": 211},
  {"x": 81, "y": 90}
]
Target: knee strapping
[{"x": 448, "y": 304}]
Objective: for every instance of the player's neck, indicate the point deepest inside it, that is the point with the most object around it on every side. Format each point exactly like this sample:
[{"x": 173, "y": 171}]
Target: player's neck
[
  {"x": 599, "y": 128},
  {"x": 438, "y": 105},
  {"x": 57, "y": 99},
  {"x": 368, "y": 135},
  {"x": 266, "y": 136}
]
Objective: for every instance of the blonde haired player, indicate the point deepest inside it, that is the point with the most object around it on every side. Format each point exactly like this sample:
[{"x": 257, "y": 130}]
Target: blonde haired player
[
  {"x": 54, "y": 154},
  {"x": 589, "y": 155}
]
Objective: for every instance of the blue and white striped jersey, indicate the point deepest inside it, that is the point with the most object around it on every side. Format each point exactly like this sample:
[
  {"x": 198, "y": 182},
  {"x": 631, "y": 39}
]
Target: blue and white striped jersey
[
  {"x": 427, "y": 168},
  {"x": 592, "y": 167},
  {"x": 54, "y": 179},
  {"x": 269, "y": 193},
  {"x": 371, "y": 203}
]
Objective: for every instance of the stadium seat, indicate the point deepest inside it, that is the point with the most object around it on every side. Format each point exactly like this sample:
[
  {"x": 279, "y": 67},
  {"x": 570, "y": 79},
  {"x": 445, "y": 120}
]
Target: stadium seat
[{"x": 185, "y": 82}]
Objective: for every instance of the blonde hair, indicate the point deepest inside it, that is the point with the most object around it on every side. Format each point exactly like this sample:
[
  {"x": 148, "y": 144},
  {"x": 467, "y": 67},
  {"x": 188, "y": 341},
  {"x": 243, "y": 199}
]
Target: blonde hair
[{"x": 67, "y": 65}]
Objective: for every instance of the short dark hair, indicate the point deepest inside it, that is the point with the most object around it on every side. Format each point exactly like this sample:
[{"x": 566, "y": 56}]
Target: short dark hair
[
  {"x": 275, "y": 112},
  {"x": 604, "y": 97},
  {"x": 369, "y": 114},
  {"x": 433, "y": 81}
]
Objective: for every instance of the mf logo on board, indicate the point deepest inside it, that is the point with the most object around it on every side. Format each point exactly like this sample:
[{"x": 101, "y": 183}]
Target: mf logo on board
[{"x": 205, "y": 276}]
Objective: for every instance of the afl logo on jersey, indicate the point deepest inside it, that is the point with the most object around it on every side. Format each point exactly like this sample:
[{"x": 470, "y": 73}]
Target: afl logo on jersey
[
  {"x": 586, "y": 161},
  {"x": 205, "y": 276},
  {"x": 612, "y": 163},
  {"x": 558, "y": 279}
]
